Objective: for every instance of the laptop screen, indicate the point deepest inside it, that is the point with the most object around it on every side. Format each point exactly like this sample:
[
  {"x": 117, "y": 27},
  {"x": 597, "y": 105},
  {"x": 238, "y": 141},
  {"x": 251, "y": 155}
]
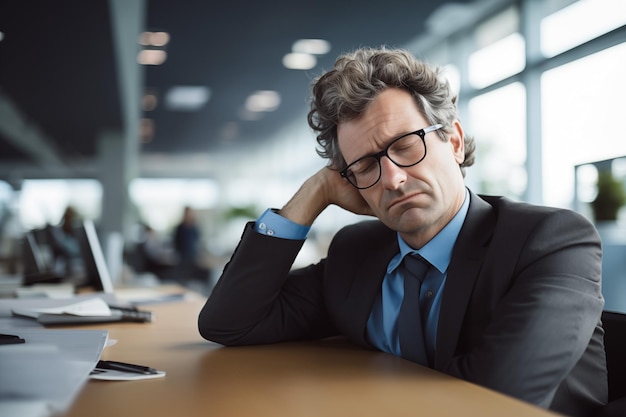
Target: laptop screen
[{"x": 96, "y": 270}]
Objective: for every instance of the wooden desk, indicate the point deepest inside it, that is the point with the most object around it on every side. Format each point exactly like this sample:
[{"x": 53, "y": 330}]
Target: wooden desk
[{"x": 323, "y": 378}]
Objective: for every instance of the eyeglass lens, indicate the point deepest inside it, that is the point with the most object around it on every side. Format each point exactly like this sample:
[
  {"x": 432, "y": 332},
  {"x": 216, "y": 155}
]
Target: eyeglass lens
[{"x": 405, "y": 151}]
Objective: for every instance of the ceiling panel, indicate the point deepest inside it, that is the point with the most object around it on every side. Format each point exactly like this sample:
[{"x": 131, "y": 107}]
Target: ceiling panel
[{"x": 58, "y": 66}]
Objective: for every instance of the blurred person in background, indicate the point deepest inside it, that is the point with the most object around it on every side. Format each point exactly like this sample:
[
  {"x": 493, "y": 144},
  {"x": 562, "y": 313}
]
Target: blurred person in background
[
  {"x": 64, "y": 243},
  {"x": 187, "y": 244}
]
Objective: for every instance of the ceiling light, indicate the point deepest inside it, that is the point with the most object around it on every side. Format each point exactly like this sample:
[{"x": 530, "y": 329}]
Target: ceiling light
[
  {"x": 311, "y": 46},
  {"x": 299, "y": 61},
  {"x": 187, "y": 98},
  {"x": 265, "y": 100},
  {"x": 151, "y": 57},
  {"x": 154, "y": 38}
]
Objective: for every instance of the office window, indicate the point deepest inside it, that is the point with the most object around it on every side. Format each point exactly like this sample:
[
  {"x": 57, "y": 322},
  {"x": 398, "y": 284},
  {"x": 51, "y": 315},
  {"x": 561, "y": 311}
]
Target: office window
[
  {"x": 497, "y": 61},
  {"x": 453, "y": 76},
  {"x": 8, "y": 224},
  {"x": 582, "y": 104},
  {"x": 578, "y": 23},
  {"x": 6, "y": 193},
  {"x": 44, "y": 201},
  {"x": 160, "y": 201},
  {"x": 500, "y": 49},
  {"x": 498, "y": 122},
  {"x": 587, "y": 176}
]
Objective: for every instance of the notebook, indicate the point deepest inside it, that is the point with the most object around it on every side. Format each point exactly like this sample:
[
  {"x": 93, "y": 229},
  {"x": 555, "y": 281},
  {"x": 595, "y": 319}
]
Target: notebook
[{"x": 89, "y": 311}]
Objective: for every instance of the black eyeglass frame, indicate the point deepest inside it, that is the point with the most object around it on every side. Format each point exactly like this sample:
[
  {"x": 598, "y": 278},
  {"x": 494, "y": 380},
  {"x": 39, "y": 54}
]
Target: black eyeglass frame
[{"x": 385, "y": 152}]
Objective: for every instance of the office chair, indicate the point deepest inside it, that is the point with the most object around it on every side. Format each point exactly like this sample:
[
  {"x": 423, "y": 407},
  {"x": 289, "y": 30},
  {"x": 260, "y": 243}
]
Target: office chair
[{"x": 615, "y": 346}]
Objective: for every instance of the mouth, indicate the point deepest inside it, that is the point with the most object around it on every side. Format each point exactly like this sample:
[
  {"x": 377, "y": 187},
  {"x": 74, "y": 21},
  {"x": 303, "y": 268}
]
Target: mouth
[{"x": 403, "y": 199}]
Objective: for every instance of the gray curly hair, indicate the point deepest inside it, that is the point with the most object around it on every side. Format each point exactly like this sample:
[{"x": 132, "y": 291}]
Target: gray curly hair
[{"x": 343, "y": 94}]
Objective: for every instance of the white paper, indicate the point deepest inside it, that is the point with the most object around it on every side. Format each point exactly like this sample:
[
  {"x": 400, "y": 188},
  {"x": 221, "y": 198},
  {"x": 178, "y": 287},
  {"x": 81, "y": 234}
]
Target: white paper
[
  {"x": 91, "y": 307},
  {"x": 23, "y": 408},
  {"x": 50, "y": 367},
  {"x": 64, "y": 290},
  {"x": 9, "y": 304}
]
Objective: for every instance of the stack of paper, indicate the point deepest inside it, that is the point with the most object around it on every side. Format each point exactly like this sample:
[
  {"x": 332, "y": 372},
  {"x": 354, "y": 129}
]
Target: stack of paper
[
  {"x": 42, "y": 376},
  {"x": 84, "y": 308}
]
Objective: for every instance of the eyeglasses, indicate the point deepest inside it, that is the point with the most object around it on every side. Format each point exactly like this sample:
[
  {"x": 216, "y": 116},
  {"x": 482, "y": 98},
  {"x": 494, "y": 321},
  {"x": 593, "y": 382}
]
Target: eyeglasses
[{"x": 405, "y": 151}]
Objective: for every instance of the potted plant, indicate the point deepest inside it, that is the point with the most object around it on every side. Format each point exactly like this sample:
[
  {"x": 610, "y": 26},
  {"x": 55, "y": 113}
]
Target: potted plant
[{"x": 611, "y": 197}]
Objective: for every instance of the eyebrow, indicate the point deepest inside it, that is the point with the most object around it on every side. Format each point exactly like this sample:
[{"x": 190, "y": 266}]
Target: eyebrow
[{"x": 375, "y": 153}]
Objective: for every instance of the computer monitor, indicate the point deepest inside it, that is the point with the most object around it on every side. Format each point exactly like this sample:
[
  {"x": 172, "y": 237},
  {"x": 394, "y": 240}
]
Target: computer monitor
[
  {"x": 34, "y": 267},
  {"x": 32, "y": 259},
  {"x": 96, "y": 271}
]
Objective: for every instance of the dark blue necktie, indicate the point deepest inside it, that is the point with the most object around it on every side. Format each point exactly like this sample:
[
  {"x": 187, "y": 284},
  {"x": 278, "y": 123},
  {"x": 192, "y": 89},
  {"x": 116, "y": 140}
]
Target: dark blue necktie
[{"x": 410, "y": 329}]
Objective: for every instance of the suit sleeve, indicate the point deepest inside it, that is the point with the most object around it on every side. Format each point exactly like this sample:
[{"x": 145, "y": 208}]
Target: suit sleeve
[
  {"x": 259, "y": 299},
  {"x": 547, "y": 319}
]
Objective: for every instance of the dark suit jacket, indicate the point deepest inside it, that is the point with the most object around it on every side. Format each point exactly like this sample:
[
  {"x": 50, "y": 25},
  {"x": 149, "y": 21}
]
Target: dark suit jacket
[{"x": 520, "y": 311}]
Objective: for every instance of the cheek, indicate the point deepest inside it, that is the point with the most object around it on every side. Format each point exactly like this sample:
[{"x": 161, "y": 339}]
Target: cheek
[
  {"x": 446, "y": 161},
  {"x": 434, "y": 175},
  {"x": 371, "y": 197}
]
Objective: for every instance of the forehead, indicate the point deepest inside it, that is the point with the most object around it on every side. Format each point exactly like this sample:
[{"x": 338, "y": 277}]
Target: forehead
[{"x": 391, "y": 114}]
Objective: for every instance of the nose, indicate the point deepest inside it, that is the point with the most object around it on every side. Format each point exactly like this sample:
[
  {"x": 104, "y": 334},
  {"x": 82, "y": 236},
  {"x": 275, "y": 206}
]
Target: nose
[{"x": 391, "y": 175}]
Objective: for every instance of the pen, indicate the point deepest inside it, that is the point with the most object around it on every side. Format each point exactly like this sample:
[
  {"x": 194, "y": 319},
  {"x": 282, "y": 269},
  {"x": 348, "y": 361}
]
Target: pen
[
  {"x": 125, "y": 367},
  {"x": 8, "y": 339}
]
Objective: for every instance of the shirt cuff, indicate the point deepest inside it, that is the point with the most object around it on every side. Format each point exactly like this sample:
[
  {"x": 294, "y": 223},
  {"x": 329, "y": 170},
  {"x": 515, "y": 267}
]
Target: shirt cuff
[{"x": 271, "y": 223}]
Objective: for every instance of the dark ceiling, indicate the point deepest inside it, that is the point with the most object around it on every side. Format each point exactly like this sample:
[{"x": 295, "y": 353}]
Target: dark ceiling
[{"x": 59, "y": 69}]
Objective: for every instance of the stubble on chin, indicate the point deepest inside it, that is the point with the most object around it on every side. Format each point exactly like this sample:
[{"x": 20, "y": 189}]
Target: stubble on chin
[{"x": 404, "y": 218}]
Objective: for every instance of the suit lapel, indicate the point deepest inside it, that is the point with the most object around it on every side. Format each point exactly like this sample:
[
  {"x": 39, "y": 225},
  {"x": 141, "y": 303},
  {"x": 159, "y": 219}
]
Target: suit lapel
[
  {"x": 368, "y": 278},
  {"x": 467, "y": 257}
]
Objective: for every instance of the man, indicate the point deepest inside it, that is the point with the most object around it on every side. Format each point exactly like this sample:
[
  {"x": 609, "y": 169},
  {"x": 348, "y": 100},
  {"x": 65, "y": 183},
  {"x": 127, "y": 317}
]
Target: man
[
  {"x": 511, "y": 294},
  {"x": 186, "y": 237}
]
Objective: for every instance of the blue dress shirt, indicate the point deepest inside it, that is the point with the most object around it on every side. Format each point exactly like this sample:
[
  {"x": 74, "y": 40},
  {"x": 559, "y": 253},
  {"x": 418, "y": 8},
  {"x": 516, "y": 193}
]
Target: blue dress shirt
[
  {"x": 273, "y": 224},
  {"x": 382, "y": 328}
]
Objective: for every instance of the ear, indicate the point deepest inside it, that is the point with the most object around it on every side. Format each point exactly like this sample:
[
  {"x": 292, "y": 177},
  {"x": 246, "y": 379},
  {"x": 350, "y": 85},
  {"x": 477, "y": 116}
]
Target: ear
[{"x": 457, "y": 143}]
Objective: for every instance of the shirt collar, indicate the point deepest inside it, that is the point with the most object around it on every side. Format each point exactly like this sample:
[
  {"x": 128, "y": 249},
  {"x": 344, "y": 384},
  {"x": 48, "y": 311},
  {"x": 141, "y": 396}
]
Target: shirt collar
[{"x": 438, "y": 251}]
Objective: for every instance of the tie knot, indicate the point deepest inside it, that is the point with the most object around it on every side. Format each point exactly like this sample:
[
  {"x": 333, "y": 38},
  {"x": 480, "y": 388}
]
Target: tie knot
[{"x": 416, "y": 266}]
